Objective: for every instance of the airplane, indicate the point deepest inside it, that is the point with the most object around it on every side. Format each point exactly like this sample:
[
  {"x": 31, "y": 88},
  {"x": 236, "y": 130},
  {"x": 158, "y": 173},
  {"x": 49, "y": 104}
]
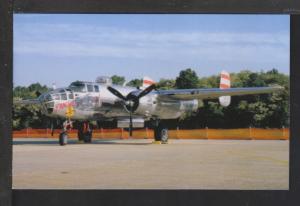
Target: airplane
[{"x": 101, "y": 100}]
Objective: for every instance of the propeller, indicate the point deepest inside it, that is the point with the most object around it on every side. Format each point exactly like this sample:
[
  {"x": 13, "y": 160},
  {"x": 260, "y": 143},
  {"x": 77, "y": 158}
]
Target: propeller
[
  {"x": 131, "y": 101},
  {"x": 116, "y": 93}
]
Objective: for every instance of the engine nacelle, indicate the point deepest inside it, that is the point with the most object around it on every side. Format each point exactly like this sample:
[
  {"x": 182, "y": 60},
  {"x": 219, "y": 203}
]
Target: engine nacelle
[
  {"x": 189, "y": 106},
  {"x": 225, "y": 100},
  {"x": 174, "y": 109}
]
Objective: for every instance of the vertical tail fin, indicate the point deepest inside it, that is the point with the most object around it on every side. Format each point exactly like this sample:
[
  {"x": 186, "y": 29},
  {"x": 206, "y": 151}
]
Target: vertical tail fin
[
  {"x": 147, "y": 81},
  {"x": 225, "y": 84},
  {"x": 225, "y": 80}
]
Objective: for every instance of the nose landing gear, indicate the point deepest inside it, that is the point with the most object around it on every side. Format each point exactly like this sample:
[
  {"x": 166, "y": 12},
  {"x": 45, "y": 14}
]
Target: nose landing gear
[
  {"x": 84, "y": 132},
  {"x": 63, "y": 136}
]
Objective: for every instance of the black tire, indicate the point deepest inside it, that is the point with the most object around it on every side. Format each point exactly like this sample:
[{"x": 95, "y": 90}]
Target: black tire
[
  {"x": 63, "y": 139},
  {"x": 80, "y": 134},
  {"x": 87, "y": 137},
  {"x": 160, "y": 132},
  {"x": 157, "y": 136},
  {"x": 164, "y": 136}
]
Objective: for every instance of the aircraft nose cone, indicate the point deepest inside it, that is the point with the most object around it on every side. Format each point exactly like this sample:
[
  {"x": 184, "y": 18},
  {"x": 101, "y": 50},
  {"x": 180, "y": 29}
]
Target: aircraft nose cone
[{"x": 47, "y": 102}]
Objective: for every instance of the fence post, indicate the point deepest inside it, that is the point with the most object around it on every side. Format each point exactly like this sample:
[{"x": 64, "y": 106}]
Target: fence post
[
  {"x": 283, "y": 134},
  {"x": 101, "y": 133},
  {"x": 47, "y": 132},
  {"x": 122, "y": 133},
  {"x": 26, "y": 131},
  {"x": 177, "y": 131},
  {"x": 250, "y": 133},
  {"x": 206, "y": 132}
]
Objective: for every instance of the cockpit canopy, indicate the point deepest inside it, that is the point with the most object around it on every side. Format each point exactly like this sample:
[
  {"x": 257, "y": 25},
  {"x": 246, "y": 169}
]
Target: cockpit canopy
[
  {"x": 58, "y": 94},
  {"x": 82, "y": 87},
  {"x": 78, "y": 86}
]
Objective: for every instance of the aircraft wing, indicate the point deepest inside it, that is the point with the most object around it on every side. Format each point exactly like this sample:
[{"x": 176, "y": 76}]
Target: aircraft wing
[
  {"x": 189, "y": 94},
  {"x": 27, "y": 101}
]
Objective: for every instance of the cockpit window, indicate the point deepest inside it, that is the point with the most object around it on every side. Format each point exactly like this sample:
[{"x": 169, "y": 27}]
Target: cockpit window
[
  {"x": 90, "y": 88},
  {"x": 63, "y": 96},
  {"x": 48, "y": 98},
  {"x": 96, "y": 87},
  {"x": 77, "y": 87}
]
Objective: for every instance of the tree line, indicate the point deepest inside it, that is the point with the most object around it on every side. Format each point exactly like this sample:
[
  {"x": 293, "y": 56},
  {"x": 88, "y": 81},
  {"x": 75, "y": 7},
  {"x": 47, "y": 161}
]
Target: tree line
[{"x": 263, "y": 111}]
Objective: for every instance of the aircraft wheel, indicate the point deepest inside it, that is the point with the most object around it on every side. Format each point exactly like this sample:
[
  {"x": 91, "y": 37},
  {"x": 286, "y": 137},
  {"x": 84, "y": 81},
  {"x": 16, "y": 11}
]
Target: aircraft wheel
[
  {"x": 164, "y": 136},
  {"x": 157, "y": 135},
  {"x": 160, "y": 132},
  {"x": 80, "y": 134},
  {"x": 87, "y": 138},
  {"x": 63, "y": 138}
]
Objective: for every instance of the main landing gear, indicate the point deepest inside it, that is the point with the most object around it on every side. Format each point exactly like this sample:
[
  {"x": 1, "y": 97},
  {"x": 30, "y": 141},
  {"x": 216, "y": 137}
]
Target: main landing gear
[
  {"x": 160, "y": 132},
  {"x": 85, "y": 132}
]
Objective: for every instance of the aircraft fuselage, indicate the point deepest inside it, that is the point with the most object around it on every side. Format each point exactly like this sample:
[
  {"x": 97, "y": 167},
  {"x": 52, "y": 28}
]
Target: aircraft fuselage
[{"x": 94, "y": 101}]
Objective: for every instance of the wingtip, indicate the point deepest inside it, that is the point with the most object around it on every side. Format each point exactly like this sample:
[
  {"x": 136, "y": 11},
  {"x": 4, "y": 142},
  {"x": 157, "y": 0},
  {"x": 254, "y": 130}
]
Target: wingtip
[{"x": 277, "y": 86}]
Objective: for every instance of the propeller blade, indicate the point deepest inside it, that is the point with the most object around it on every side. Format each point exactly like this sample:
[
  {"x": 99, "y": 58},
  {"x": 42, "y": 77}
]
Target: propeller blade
[
  {"x": 146, "y": 91},
  {"x": 116, "y": 93}
]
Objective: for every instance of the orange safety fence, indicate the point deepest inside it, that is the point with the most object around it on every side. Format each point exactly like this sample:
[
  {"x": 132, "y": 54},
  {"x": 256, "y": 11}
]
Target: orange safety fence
[{"x": 241, "y": 134}]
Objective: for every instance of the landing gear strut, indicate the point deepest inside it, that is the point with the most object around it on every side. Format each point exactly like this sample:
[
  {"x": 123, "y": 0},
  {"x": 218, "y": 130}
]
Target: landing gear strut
[
  {"x": 85, "y": 132},
  {"x": 63, "y": 138},
  {"x": 160, "y": 132}
]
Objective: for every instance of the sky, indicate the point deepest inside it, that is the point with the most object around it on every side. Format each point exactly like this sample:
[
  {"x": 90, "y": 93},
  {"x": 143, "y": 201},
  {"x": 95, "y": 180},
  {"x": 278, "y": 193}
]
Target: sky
[{"x": 61, "y": 48}]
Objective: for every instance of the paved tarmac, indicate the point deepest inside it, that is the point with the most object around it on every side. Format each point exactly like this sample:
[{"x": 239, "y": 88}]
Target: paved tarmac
[{"x": 138, "y": 164}]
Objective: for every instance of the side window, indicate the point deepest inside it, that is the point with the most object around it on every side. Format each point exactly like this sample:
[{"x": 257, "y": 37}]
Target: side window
[
  {"x": 63, "y": 96},
  {"x": 90, "y": 88},
  {"x": 71, "y": 96},
  {"x": 96, "y": 87},
  {"x": 56, "y": 97}
]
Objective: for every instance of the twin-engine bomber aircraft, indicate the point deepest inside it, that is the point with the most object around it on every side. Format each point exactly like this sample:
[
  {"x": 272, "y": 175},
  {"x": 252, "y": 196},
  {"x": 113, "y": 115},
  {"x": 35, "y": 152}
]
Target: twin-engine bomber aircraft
[{"x": 130, "y": 106}]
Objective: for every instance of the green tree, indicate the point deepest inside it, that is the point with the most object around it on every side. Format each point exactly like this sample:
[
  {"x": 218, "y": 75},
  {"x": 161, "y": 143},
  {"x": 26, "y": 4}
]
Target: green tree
[
  {"x": 265, "y": 110},
  {"x": 118, "y": 79},
  {"x": 165, "y": 84},
  {"x": 135, "y": 83},
  {"x": 209, "y": 82},
  {"x": 28, "y": 115},
  {"x": 29, "y": 92},
  {"x": 187, "y": 79}
]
